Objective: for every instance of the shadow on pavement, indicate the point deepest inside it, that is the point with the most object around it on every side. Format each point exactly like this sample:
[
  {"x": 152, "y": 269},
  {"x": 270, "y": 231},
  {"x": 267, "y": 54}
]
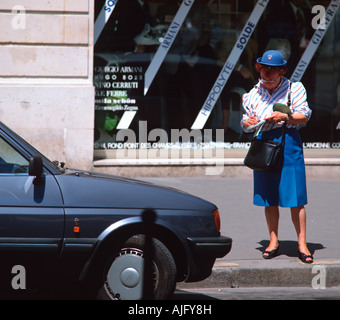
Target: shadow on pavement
[{"x": 289, "y": 247}]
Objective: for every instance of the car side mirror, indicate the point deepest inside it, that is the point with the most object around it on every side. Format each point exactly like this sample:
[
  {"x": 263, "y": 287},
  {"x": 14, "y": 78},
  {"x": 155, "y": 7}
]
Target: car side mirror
[{"x": 35, "y": 167}]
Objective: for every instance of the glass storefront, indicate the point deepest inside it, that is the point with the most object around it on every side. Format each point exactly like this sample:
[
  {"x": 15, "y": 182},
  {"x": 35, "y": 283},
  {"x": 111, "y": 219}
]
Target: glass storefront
[{"x": 158, "y": 66}]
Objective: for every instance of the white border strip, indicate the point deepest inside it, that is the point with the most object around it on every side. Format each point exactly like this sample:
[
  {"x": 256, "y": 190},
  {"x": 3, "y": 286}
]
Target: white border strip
[
  {"x": 164, "y": 47},
  {"x": 314, "y": 43},
  {"x": 229, "y": 65},
  {"x": 102, "y": 18},
  {"x": 126, "y": 120}
]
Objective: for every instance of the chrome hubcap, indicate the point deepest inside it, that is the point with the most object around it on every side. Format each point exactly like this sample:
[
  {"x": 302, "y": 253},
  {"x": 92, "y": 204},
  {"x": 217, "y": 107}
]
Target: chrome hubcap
[{"x": 125, "y": 276}]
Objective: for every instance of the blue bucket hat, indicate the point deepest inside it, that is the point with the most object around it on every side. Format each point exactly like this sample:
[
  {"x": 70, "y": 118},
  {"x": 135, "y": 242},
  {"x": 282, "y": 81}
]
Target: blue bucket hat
[{"x": 272, "y": 58}]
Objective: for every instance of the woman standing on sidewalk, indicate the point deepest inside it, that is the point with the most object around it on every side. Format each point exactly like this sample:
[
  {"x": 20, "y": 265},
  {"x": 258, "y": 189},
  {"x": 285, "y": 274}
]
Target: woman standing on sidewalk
[{"x": 286, "y": 188}]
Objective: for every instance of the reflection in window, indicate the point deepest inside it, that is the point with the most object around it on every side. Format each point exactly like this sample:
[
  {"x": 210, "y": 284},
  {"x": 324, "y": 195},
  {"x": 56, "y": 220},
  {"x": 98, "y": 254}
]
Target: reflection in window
[{"x": 135, "y": 30}]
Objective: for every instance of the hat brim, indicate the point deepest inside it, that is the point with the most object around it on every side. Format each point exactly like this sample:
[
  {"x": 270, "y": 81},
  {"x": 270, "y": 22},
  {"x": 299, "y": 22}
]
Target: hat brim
[{"x": 272, "y": 64}]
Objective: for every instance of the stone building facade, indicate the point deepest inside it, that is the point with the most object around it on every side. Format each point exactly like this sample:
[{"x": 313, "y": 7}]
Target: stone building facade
[{"x": 46, "y": 68}]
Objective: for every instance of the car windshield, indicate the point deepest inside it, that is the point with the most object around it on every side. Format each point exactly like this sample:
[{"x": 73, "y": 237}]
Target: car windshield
[
  {"x": 11, "y": 161},
  {"x": 56, "y": 164}
]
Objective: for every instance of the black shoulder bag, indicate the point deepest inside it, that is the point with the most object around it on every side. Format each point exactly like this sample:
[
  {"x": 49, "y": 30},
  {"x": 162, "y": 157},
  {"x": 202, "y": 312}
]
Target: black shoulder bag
[{"x": 266, "y": 155}]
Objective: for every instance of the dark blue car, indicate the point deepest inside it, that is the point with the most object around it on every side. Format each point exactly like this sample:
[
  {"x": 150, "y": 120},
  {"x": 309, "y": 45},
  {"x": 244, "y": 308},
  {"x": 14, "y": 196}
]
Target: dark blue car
[{"x": 61, "y": 227}]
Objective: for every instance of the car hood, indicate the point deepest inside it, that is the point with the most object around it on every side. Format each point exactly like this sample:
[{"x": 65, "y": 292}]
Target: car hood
[{"x": 92, "y": 189}]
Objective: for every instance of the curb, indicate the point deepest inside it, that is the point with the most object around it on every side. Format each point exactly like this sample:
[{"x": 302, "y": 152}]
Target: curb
[{"x": 279, "y": 273}]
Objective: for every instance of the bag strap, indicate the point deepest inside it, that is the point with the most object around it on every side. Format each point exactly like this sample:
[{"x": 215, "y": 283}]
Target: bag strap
[
  {"x": 289, "y": 102},
  {"x": 283, "y": 134}
]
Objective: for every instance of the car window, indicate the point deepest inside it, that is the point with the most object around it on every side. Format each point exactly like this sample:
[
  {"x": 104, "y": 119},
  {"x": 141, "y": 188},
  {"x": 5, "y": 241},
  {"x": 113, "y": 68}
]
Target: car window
[{"x": 11, "y": 161}]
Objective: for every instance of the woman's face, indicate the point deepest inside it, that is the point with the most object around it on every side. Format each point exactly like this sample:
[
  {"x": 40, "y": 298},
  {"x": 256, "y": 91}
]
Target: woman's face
[{"x": 271, "y": 76}]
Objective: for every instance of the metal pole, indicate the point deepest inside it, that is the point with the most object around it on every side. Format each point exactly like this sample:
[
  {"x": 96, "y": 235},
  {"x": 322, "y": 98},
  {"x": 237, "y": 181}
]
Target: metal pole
[{"x": 149, "y": 217}]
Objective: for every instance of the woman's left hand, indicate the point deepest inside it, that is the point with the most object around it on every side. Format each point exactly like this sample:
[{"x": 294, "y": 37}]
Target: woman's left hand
[{"x": 276, "y": 117}]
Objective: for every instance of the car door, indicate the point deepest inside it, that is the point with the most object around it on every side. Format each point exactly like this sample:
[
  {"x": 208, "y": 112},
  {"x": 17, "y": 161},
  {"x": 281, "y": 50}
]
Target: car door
[{"x": 31, "y": 214}]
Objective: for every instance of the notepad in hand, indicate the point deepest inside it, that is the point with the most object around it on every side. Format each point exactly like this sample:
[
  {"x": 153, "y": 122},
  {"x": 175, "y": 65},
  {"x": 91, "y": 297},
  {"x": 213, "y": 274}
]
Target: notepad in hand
[{"x": 255, "y": 126}]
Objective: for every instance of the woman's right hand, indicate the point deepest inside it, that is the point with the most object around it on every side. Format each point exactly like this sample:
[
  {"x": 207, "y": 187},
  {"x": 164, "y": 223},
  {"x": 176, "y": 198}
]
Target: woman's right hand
[{"x": 252, "y": 120}]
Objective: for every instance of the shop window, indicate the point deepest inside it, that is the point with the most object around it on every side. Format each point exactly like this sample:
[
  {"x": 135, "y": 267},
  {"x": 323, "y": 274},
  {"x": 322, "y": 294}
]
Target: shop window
[{"x": 137, "y": 107}]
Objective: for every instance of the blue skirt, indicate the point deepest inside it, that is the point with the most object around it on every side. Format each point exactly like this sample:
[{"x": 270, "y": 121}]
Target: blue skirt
[{"x": 287, "y": 187}]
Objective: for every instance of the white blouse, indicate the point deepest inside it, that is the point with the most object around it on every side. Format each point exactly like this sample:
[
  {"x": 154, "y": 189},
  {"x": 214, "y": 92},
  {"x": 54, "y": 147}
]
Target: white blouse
[{"x": 258, "y": 102}]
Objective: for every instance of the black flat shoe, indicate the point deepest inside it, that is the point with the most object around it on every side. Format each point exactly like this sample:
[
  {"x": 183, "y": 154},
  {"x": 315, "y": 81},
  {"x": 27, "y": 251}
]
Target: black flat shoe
[
  {"x": 271, "y": 254},
  {"x": 303, "y": 257}
]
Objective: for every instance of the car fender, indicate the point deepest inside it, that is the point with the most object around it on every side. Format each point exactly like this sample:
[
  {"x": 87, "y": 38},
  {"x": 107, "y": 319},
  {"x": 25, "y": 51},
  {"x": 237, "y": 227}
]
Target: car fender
[{"x": 119, "y": 232}]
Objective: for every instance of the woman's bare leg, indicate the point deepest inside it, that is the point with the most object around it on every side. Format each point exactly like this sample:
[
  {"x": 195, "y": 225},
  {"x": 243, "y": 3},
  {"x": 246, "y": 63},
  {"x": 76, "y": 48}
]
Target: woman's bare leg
[
  {"x": 272, "y": 216},
  {"x": 299, "y": 220}
]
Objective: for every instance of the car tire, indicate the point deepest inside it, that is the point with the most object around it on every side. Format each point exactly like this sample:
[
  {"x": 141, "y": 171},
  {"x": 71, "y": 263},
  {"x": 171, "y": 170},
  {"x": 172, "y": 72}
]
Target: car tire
[{"x": 123, "y": 274}]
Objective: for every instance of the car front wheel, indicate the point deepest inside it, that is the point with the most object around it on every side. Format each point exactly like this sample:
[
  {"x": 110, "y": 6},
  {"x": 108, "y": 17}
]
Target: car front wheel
[{"x": 123, "y": 274}]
